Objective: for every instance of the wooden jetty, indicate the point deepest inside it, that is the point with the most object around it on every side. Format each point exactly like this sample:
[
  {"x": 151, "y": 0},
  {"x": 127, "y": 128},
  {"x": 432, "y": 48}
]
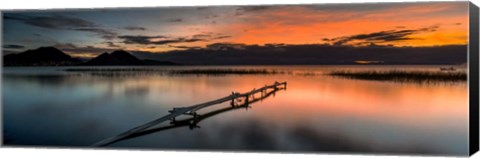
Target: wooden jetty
[
  {"x": 236, "y": 99},
  {"x": 191, "y": 122}
]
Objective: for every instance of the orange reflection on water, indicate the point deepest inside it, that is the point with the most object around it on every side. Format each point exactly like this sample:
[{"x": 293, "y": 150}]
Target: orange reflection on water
[
  {"x": 383, "y": 116},
  {"x": 328, "y": 103},
  {"x": 409, "y": 104},
  {"x": 399, "y": 103}
]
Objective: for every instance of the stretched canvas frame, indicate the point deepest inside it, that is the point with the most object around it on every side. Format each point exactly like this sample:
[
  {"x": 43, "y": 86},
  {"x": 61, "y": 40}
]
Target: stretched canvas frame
[{"x": 239, "y": 100}]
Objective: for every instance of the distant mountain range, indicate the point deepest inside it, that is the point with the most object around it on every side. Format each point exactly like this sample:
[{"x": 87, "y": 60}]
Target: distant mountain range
[
  {"x": 43, "y": 56},
  {"x": 241, "y": 54},
  {"x": 51, "y": 56},
  {"x": 120, "y": 57}
]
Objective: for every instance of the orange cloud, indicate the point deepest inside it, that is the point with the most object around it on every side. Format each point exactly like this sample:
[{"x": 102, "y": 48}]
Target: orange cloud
[{"x": 300, "y": 25}]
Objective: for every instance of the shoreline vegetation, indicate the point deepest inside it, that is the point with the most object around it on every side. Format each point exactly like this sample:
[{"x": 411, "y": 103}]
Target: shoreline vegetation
[
  {"x": 389, "y": 75},
  {"x": 215, "y": 72},
  {"x": 404, "y": 76}
]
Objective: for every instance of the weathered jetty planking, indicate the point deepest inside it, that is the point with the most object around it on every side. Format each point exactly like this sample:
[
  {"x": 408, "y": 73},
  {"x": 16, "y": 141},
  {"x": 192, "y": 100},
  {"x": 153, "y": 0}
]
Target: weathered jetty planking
[
  {"x": 191, "y": 110},
  {"x": 192, "y": 121}
]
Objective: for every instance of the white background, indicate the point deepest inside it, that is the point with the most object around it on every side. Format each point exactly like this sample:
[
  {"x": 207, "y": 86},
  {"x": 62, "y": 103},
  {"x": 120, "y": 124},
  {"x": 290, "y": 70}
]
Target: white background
[{"x": 82, "y": 153}]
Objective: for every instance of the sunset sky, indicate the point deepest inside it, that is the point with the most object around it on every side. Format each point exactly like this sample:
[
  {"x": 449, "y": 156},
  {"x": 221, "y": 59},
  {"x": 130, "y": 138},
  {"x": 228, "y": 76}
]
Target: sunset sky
[{"x": 87, "y": 33}]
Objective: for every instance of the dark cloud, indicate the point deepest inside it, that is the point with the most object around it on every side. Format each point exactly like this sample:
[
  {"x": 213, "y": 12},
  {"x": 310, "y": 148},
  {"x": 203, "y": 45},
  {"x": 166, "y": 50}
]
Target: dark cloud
[
  {"x": 111, "y": 44},
  {"x": 74, "y": 49},
  {"x": 222, "y": 37},
  {"x": 52, "y": 22},
  {"x": 139, "y": 39},
  {"x": 328, "y": 39},
  {"x": 105, "y": 34},
  {"x": 382, "y": 36},
  {"x": 202, "y": 36},
  {"x": 157, "y": 40},
  {"x": 6, "y": 17},
  {"x": 135, "y": 28},
  {"x": 6, "y": 52},
  {"x": 13, "y": 46},
  {"x": 253, "y": 8},
  {"x": 93, "y": 49},
  {"x": 162, "y": 40},
  {"x": 241, "y": 10},
  {"x": 12, "y": 49},
  {"x": 184, "y": 47},
  {"x": 175, "y": 20},
  {"x": 177, "y": 40},
  {"x": 226, "y": 46},
  {"x": 60, "y": 22},
  {"x": 65, "y": 46},
  {"x": 210, "y": 36}
]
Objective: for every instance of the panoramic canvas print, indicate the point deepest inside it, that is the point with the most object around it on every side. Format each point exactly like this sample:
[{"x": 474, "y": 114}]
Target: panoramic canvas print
[{"x": 388, "y": 78}]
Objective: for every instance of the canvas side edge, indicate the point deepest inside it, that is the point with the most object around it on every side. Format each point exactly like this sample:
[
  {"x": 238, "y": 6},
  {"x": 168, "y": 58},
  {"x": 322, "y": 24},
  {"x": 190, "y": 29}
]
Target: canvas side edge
[{"x": 473, "y": 68}]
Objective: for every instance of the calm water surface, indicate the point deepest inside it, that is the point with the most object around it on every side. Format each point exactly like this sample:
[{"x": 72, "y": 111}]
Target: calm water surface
[{"x": 317, "y": 112}]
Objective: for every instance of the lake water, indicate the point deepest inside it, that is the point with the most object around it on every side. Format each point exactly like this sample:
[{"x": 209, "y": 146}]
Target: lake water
[{"x": 316, "y": 113}]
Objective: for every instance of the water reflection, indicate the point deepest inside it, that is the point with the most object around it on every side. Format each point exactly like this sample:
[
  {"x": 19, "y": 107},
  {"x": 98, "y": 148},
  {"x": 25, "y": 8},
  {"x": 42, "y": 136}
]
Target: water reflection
[
  {"x": 318, "y": 113},
  {"x": 193, "y": 121}
]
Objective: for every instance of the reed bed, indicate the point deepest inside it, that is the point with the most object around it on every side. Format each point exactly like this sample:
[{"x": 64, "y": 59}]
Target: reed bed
[
  {"x": 175, "y": 72},
  {"x": 404, "y": 76}
]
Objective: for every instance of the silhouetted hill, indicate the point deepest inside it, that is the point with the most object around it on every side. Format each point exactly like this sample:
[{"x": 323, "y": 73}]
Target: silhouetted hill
[
  {"x": 121, "y": 57},
  {"x": 43, "y": 56}
]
